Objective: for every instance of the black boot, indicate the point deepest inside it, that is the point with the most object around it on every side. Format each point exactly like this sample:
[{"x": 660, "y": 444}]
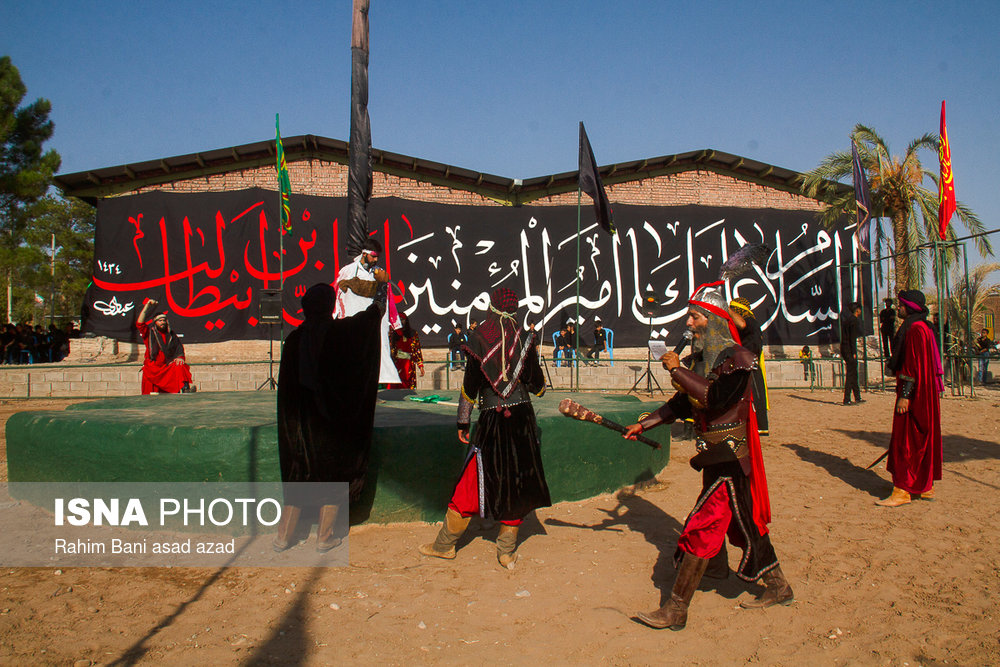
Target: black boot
[
  {"x": 673, "y": 614},
  {"x": 778, "y": 591},
  {"x": 718, "y": 565}
]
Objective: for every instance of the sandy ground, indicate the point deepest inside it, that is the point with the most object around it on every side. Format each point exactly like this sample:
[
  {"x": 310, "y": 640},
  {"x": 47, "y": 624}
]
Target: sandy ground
[{"x": 911, "y": 586}]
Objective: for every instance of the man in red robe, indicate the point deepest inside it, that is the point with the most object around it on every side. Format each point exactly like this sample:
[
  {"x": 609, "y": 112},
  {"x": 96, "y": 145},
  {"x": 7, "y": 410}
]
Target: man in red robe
[
  {"x": 915, "y": 451},
  {"x": 164, "y": 369}
]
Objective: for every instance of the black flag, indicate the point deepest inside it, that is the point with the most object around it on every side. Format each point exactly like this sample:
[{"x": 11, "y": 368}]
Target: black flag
[
  {"x": 590, "y": 182},
  {"x": 862, "y": 199}
]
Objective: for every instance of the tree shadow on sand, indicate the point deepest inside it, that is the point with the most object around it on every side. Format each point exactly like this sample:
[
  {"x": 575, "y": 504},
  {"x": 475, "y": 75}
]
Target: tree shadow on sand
[
  {"x": 291, "y": 640},
  {"x": 660, "y": 530}
]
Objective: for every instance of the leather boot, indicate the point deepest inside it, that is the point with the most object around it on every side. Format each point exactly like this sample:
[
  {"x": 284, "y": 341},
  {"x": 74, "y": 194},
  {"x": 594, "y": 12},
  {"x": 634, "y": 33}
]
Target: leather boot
[
  {"x": 896, "y": 498},
  {"x": 927, "y": 495},
  {"x": 673, "y": 614},
  {"x": 452, "y": 529},
  {"x": 325, "y": 541},
  {"x": 507, "y": 546},
  {"x": 777, "y": 592},
  {"x": 718, "y": 565},
  {"x": 286, "y": 527}
]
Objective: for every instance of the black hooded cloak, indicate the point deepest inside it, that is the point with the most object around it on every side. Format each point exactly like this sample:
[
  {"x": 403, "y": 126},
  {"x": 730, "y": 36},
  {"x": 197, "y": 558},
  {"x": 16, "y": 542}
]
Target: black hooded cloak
[{"x": 327, "y": 387}]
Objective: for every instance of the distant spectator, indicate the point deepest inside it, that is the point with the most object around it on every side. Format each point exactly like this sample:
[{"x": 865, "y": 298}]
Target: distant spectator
[
  {"x": 600, "y": 341},
  {"x": 887, "y": 327},
  {"x": 807, "y": 364},
  {"x": 456, "y": 340},
  {"x": 563, "y": 344},
  {"x": 850, "y": 331},
  {"x": 984, "y": 344},
  {"x": 8, "y": 338},
  {"x": 58, "y": 344},
  {"x": 575, "y": 340}
]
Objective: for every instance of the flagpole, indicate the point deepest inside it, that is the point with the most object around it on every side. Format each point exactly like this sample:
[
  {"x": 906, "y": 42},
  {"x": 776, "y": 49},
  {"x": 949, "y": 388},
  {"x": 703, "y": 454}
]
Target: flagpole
[
  {"x": 576, "y": 343},
  {"x": 877, "y": 268},
  {"x": 281, "y": 253}
]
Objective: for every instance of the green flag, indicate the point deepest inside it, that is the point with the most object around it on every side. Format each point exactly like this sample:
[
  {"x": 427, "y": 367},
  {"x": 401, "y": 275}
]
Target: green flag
[{"x": 284, "y": 184}]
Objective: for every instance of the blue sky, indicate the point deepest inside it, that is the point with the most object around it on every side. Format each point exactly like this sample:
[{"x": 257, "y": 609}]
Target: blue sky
[{"x": 500, "y": 86}]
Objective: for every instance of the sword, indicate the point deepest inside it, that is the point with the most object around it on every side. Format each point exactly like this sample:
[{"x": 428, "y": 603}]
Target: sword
[
  {"x": 876, "y": 461},
  {"x": 573, "y": 409}
]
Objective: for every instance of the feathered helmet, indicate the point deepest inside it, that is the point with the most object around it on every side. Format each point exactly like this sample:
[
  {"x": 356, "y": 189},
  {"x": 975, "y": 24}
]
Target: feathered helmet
[{"x": 710, "y": 302}]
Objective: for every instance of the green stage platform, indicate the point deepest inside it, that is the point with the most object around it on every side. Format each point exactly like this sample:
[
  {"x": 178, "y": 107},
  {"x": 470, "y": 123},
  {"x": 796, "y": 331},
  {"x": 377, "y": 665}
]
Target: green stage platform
[{"x": 416, "y": 456}]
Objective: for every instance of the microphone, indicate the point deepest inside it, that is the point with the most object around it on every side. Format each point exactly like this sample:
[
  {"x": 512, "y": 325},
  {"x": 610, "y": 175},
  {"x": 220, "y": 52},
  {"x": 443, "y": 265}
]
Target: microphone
[{"x": 684, "y": 342}]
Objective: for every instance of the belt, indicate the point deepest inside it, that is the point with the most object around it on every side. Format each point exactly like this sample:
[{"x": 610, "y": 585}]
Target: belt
[{"x": 490, "y": 400}]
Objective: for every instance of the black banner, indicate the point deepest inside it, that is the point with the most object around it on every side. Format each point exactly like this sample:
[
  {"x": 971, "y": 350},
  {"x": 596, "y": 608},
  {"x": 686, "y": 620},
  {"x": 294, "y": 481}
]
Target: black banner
[{"x": 206, "y": 257}]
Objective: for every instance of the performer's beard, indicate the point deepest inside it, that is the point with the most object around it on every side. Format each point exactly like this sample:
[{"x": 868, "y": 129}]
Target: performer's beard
[{"x": 709, "y": 343}]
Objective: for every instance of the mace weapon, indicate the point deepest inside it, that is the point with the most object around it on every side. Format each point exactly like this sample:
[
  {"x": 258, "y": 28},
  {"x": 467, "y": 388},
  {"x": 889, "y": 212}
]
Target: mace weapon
[{"x": 573, "y": 409}]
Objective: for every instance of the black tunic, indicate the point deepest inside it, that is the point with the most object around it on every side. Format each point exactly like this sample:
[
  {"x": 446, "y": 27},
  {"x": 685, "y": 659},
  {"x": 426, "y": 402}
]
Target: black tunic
[{"x": 508, "y": 442}]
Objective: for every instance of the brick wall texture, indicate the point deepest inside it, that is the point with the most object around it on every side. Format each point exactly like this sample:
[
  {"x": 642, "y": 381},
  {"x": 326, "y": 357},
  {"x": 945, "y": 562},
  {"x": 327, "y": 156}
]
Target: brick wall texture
[{"x": 318, "y": 177}]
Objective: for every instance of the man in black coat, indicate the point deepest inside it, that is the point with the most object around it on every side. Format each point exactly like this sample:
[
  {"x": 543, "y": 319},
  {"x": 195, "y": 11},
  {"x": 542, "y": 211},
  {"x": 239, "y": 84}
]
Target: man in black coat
[
  {"x": 327, "y": 387},
  {"x": 887, "y": 327},
  {"x": 850, "y": 331}
]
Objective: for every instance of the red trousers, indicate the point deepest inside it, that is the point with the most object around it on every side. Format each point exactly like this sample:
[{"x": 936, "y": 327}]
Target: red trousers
[{"x": 465, "y": 499}]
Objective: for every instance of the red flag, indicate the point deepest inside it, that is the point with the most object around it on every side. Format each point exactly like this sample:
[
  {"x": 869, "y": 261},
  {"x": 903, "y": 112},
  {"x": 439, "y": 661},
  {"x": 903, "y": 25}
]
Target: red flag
[{"x": 946, "y": 183}]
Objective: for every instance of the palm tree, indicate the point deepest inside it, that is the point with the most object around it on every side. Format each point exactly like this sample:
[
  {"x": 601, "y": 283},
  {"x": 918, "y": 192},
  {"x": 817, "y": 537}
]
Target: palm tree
[
  {"x": 976, "y": 295},
  {"x": 897, "y": 192}
]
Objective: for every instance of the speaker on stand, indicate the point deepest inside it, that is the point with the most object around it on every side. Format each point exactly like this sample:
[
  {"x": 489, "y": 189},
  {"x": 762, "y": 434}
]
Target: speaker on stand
[
  {"x": 650, "y": 307},
  {"x": 269, "y": 307}
]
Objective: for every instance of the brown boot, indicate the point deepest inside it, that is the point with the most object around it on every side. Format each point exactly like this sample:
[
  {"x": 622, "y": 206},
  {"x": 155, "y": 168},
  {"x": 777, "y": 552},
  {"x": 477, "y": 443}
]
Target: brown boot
[
  {"x": 896, "y": 498},
  {"x": 507, "y": 546},
  {"x": 673, "y": 615},
  {"x": 325, "y": 541},
  {"x": 777, "y": 592},
  {"x": 718, "y": 565},
  {"x": 452, "y": 529},
  {"x": 286, "y": 527}
]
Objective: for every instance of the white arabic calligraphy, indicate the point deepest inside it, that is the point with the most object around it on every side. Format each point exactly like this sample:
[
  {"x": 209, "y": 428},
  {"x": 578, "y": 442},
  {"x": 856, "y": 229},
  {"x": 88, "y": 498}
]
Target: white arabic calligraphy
[{"x": 113, "y": 307}]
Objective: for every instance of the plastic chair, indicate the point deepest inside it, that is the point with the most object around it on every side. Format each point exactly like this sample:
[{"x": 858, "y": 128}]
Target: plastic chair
[{"x": 555, "y": 342}]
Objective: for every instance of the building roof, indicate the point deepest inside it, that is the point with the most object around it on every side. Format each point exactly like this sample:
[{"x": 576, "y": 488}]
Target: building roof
[{"x": 109, "y": 181}]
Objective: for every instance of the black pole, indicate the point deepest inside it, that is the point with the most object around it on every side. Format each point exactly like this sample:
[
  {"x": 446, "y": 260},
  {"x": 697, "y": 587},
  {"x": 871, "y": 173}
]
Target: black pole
[{"x": 359, "y": 175}]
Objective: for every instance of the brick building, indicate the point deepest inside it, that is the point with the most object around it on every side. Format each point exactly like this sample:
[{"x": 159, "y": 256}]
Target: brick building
[
  {"x": 706, "y": 183},
  {"x": 318, "y": 166}
]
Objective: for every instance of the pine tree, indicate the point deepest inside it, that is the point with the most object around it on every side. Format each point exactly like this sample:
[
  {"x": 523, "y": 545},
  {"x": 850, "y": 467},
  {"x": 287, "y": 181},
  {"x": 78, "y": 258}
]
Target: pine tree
[{"x": 25, "y": 170}]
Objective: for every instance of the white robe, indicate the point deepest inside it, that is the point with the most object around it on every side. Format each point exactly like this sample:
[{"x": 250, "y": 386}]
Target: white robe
[{"x": 349, "y": 303}]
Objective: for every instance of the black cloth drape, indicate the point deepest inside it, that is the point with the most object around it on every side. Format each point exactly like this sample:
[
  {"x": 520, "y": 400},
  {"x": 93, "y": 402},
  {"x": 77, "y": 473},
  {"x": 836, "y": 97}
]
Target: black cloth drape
[
  {"x": 751, "y": 339},
  {"x": 325, "y": 434}
]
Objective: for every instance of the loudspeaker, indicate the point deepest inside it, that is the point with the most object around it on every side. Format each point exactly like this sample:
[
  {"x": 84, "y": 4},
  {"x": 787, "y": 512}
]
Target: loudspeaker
[
  {"x": 270, "y": 306},
  {"x": 650, "y": 304}
]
